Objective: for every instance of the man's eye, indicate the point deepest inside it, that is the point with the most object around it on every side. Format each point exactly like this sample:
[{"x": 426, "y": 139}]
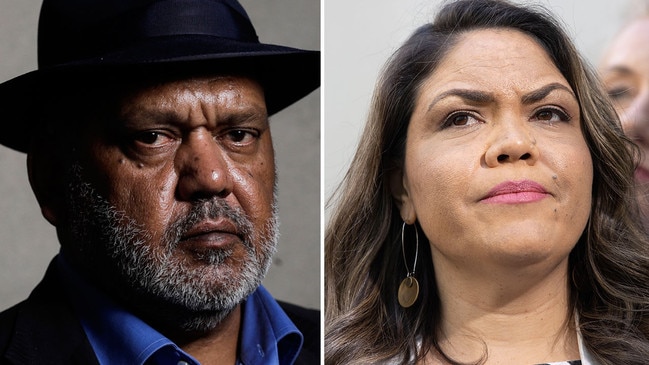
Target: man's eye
[
  {"x": 242, "y": 136},
  {"x": 148, "y": 137},
  {"x": 151, "y": 138}
]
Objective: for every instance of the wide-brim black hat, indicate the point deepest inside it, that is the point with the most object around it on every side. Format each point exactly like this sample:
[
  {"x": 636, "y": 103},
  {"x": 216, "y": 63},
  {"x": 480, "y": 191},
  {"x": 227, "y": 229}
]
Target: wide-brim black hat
[{"x": 82, "y": 39}]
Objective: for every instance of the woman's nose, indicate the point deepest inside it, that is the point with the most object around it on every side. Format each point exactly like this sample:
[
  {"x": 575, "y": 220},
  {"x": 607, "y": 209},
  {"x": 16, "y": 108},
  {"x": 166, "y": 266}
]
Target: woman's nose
[{"x": 511, "y": 142}]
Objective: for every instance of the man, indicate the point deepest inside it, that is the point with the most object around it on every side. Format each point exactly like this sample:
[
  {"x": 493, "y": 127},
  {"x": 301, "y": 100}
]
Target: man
[{"x": 149, "y": 149}]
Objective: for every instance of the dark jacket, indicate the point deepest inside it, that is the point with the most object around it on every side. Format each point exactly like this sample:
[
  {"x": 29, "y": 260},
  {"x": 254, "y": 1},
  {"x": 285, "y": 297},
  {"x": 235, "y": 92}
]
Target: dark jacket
[{"x": 44, "y": 330}]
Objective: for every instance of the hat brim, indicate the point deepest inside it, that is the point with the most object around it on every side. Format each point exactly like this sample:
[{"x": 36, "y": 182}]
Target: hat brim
[{"x": 286, "y": 74}]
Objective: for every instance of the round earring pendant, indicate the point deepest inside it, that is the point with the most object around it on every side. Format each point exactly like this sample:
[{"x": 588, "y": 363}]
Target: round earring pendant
[{"x": 408, "y": 291}]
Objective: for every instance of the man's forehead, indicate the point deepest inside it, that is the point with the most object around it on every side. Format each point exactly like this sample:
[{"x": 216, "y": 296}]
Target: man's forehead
[
  {"x": 138, "y": 84},
  {"x": 206, "y": 88},
  {"x": 212, "y": 84},
  {"x": 216, "y": 96}
]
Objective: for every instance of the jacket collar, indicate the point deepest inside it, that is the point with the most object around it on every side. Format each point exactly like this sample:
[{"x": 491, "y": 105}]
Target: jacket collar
[{"x": 46, "y": 329}]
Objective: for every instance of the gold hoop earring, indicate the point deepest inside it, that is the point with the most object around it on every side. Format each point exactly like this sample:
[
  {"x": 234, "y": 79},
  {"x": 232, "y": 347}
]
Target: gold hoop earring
[{"x": 409, "y": 288}]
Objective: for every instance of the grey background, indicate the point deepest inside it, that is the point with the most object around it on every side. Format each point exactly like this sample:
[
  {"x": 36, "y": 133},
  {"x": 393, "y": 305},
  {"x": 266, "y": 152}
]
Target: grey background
[
  {"x": 360, "y": 35},
  {"x": 28, "y": 242}
]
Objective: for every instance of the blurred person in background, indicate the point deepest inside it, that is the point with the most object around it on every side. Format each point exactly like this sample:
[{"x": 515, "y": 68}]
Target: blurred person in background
[{"x": 625, "y": 72}]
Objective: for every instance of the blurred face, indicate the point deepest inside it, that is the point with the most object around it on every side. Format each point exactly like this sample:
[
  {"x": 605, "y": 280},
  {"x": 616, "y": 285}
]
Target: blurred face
[
  {"x": 172, "y": 204},
  {"x": 496, "y": 171},
  {"x": 625, "y": 71}
]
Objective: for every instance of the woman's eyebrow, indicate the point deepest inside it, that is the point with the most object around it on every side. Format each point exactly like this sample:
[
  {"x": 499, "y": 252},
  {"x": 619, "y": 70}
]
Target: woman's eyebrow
[
  {"x": 475, "y": 96},
  {"x": 482, "y": 97},
  {"x": 539, "y": 94}
]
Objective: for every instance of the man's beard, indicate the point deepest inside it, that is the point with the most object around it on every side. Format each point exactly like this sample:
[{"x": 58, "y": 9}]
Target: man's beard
[{"x": 150, "y": 277}]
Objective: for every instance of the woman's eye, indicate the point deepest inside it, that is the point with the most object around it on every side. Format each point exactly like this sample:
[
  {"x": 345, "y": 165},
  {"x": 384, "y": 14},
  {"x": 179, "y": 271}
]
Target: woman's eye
[
  {"x": 551, "y": 116},
  {"x": 460, "y": 119}
]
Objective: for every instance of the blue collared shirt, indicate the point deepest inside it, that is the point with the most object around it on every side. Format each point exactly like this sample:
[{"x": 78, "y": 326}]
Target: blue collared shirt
[{"x": 118, "y": 337}]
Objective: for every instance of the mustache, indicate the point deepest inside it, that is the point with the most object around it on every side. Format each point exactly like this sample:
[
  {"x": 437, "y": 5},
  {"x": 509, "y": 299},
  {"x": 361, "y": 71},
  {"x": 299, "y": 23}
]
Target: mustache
[{"x": 206, "y": 209}]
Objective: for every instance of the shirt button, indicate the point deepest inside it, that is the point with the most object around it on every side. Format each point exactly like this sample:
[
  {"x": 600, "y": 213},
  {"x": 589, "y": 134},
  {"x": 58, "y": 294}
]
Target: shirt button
[{"x": 183, "y": 362}]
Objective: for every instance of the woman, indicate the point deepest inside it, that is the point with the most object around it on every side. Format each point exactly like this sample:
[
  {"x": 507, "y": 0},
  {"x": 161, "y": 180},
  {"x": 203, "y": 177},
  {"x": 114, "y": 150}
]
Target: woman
[
  {"x": 488, "y": 215},
  {"x": 625, "y": 72}
]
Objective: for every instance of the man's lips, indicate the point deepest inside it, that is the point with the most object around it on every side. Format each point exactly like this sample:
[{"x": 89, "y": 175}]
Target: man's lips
[
  {"x": 211, "y": 234},
  {"x": 515, "y": 192}
]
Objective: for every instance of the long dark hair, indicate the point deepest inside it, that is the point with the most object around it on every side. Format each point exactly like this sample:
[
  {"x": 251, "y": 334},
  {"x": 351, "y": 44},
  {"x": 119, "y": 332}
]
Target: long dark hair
[{"x": 609, "y": 266}]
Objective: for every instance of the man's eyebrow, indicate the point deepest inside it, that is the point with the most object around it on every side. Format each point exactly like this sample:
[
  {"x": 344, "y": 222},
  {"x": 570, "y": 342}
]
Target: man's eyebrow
[
  {"x": 541, "y": 93},
  {"x": 475, "y": 96},
  {"x": 235, "y": 117}
]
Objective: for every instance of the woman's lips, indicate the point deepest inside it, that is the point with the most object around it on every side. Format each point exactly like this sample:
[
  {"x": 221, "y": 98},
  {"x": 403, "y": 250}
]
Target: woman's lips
[{"x": 515, "y": 192}]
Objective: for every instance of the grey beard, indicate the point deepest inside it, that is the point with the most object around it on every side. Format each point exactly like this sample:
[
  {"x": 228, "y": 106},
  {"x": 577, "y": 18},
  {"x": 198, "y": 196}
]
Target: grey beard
[{"x": 117, "y": 252}]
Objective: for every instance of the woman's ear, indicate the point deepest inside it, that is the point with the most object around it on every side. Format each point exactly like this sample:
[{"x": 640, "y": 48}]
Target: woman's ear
[{"x": 399, "y": 190}]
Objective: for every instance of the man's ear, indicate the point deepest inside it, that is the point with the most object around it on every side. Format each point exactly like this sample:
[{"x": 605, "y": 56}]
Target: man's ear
[
  {"x": 399, "y": 190},
  {"x": 46, "y": 179}
]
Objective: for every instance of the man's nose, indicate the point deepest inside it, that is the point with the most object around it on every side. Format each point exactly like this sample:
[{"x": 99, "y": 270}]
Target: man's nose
[
  {"x": 510, "y": 142},
  {"x": 204, "y": 171}
]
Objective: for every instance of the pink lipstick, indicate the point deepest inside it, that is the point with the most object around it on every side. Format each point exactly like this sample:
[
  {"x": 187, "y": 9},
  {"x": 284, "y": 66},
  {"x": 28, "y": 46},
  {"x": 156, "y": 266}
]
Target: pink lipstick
[{"x": 516, "y": 192}]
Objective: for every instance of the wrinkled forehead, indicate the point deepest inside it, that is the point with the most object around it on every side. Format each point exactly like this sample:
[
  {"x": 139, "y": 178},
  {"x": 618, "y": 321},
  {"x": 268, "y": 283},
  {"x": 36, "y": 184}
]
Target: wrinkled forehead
[
  {"x": 223, "y": 91},
  {"x": 503, "y": 60},
  {"x": 82, "y": 100},
  {"x": 215, "y": 100}
]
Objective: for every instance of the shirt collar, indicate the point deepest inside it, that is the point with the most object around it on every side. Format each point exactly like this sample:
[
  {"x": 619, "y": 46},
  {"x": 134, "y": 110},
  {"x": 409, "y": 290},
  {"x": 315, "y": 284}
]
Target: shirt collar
[
  {"x": 118, "y": 337},
  {"x": 267, "y": 336}
]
